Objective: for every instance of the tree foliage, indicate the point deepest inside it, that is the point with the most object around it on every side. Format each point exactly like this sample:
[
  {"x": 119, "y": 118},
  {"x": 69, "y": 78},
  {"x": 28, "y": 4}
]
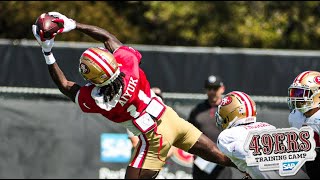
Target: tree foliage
[{"x": 256, "y": 24}]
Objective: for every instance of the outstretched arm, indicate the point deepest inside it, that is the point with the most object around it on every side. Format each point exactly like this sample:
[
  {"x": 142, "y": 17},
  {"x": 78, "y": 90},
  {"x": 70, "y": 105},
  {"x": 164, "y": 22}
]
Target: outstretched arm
[
  {"x": 209, "y": 151},
  {"x": 99, "y": 34},
  {"x": 67, "y": 88}
]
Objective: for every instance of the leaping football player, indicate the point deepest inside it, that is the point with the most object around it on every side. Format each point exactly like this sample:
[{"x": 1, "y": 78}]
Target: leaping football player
[{"x": 119, "y": 90}]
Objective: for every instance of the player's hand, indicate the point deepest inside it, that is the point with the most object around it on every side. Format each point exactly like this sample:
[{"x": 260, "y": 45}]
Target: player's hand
[
  {"x": 68, "y": 24},
  {"x": 45, "y": 45}
]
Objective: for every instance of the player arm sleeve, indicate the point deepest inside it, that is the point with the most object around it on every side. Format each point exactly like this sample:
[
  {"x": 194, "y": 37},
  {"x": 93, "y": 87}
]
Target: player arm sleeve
[
  {"x": 127, "y": 54},
  {"x": 230, "y": 146},
  {"x": 224, "y": 146},
  {"x": 239, "y": 151}
]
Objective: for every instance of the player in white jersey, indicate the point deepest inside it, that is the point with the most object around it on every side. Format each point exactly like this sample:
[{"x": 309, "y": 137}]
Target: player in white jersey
[
  {"x": 236, "y": 116},
  {"x": 304, "y": 101}
]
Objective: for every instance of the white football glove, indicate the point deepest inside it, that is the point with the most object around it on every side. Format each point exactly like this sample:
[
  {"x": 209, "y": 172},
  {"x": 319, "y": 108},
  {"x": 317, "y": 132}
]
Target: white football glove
[
  {"x": 68, "y": 24},
  {"x": 45, "y": 45}
]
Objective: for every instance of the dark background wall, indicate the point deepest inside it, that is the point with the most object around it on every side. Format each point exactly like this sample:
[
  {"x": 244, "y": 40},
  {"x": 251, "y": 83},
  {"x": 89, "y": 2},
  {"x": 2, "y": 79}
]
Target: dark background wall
[{"x": 255, "y": 73}]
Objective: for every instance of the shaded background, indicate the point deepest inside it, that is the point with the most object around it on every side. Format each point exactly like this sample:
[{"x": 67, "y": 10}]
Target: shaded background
[{"x": 174, "y": 69}]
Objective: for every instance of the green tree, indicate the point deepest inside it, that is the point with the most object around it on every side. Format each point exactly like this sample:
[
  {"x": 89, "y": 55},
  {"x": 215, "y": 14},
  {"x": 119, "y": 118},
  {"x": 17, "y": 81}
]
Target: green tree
[
  {"x": 17, "y": 17},
  {"x": 256, "y": 24}
]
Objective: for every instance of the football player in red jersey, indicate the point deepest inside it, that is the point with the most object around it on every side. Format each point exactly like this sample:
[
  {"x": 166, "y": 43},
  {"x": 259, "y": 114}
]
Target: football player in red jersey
[{"x": 119, "y": 90}]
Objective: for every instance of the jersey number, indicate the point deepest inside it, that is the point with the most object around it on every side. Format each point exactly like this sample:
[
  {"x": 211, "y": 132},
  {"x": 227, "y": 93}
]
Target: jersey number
[{"x": 132, "y": 109}]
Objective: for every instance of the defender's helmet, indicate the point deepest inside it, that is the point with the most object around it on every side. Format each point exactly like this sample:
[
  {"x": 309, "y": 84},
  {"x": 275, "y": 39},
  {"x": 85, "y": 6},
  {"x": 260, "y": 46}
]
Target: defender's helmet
[
  {"x": 235, "y": 108},
  {"x": 304, "y": 91},
  {"x": 98, "y": 66}
]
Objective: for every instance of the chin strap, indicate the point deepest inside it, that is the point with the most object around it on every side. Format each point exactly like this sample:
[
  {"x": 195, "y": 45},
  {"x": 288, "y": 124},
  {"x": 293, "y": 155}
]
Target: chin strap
[{"x": 246, "y": 120}]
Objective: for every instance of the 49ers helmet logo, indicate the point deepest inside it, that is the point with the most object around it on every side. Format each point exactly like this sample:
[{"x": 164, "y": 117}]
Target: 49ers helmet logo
[
  {"x": 84, "y": 68},
  {"x": 317, "y": 79},
  {"x": 225, "y": 101}
]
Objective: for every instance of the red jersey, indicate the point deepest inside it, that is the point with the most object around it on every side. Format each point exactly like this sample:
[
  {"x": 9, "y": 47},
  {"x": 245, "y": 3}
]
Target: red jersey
[{"x": 135, "y": 95}]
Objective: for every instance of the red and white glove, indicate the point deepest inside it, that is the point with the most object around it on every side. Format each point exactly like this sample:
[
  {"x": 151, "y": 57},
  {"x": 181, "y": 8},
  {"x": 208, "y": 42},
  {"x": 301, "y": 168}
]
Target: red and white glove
[
  {"x": 68, "y": 24},
  {"x": 45, "y": 45}
]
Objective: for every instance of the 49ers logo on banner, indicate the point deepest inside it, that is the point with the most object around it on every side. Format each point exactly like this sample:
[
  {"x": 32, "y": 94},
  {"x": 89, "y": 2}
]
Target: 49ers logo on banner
[{"x": 285, "y": 150}]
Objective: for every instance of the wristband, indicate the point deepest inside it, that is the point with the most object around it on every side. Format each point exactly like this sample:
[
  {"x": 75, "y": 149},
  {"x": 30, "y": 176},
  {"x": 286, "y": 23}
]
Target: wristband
[
  {"x": 49, "y": 58},
  {"x": 46, "y": 53}
]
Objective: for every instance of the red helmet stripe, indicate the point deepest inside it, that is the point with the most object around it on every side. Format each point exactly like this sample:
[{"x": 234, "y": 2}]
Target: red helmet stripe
[
  {"x": 111, "y": 68},
  {"x": 101, "y": 61},
  {"x": 243, "y": 98},
  {"x": 251, "y": 106},
  {"x": 97, "y": 62},
  {"x": 301, "y": 76}
]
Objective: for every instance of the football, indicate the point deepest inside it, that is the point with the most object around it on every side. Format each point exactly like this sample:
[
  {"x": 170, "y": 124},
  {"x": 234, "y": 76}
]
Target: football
[{"x": 44, "y": 23}]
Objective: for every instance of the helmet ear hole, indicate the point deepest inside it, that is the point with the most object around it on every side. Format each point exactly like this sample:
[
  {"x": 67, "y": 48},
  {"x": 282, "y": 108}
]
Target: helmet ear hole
[{"x": 226, "y": 119}]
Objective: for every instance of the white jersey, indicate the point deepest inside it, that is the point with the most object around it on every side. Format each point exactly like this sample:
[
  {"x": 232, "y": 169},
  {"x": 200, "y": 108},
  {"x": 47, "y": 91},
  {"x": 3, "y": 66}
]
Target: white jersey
[
  {"x": 297, "y": 119},
  {"x": 231, "y": 143}
]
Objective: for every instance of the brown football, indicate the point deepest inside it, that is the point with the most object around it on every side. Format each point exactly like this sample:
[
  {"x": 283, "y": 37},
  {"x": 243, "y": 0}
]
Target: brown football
[{"x": 44, "y": 23}]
